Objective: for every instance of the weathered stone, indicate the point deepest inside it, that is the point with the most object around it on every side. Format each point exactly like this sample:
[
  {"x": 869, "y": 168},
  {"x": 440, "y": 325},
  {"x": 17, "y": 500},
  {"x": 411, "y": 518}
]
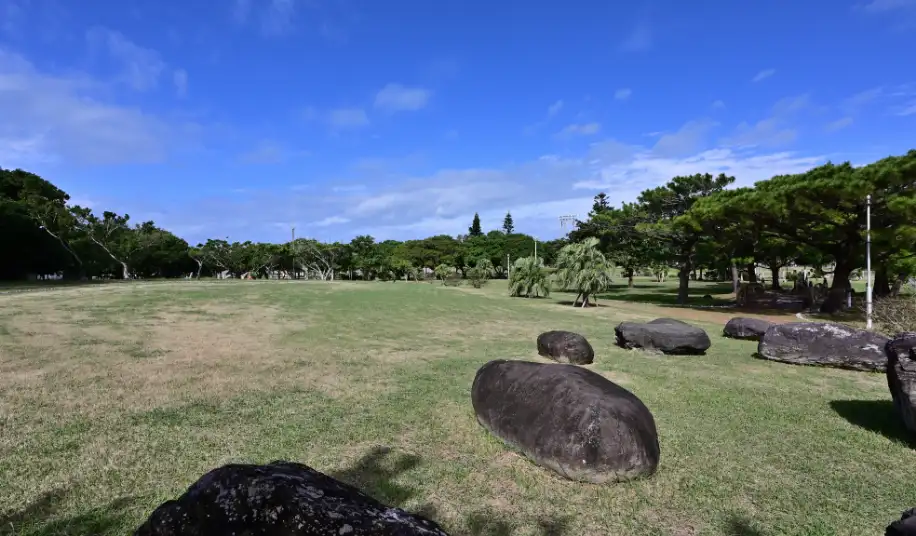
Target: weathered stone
[
  {"x": 901, "y": 377},
  {"x": 905, "y": 526},
  {"x": 749, "y": 329},
  {"x": 567, "y": 418},
  {"x": 665, "y": 335},
  {"x": 566, "y": 347},
  {"x": 824, "y": 344},
  {"x": 281, "y": 498}
]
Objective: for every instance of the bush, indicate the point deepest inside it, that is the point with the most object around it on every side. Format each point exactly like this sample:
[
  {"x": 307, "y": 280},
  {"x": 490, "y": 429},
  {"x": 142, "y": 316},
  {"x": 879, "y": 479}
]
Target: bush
[
  {"x": 477, "y": 277},
  {"x": 895, "y": 314}
]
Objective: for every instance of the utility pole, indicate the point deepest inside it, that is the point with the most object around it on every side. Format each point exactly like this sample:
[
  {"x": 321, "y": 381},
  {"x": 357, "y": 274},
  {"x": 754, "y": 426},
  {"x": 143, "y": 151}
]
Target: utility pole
[
  {"x": 535, "y": 250},
  {"x": 508, "y": 267},
  {"x": 868, "y": 284},
  {"x": 294, "y": 234}
]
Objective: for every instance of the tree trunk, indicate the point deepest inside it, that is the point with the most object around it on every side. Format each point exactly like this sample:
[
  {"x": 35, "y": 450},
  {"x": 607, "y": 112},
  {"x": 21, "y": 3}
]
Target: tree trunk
[
  {"x": 683, "y": 276},
  {"x": 124, "y": 271},
  {"x": 200, "y": 266},
  {"x": 585, "y": 300},
  {"x": 736, "y": 278},
  {"x": 774, "y": 273},
  {"x": 576, "y": 301},
  {"x": 882, "y": 286},
  {"x": 836, "y": 297},
  {"x": 898, "y": 284},
  {"x": 630, "y": 278},
  {"x": 751, "y": 273}
]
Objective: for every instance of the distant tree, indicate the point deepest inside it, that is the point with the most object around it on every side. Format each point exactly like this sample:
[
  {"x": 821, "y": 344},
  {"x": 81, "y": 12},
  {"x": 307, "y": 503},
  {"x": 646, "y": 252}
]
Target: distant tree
[
  {"x": 443, "y": 271},
  {"x": 583, "y": 268},
  {"x": 508, "y": 225},
  {"x": 528, "y": 278},
  {"x": 601, "y": 204},
  {"x": 475, "y": 229}
]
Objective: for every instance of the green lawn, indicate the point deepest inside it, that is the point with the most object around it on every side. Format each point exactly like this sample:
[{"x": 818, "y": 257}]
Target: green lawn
[{"x": 114, "y": 398}]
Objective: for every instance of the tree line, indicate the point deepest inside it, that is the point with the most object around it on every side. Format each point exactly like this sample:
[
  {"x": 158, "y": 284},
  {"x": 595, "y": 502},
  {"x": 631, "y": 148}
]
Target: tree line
[
  {"x": 816, "y": 218},
  {"x": 695, "y": 224}
]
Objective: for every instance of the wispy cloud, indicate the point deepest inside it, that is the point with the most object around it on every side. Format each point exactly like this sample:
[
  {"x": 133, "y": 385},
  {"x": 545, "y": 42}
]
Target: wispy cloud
[
  {"x": 909, "y": 109},
  {"x": 623, "y": 93},
  {"x": 139, "y": 67},
  {"x": 839, "y": 124},
  {"x": 687, "y": 139},
  {"x": 639, "y": 39},
  {"x": 399, "y": 98},
  {"x": 579, "y": 129},
  {"x": 270, "y": 152},
  {"x": 554, "y": 108},
  {"x": 717, "y": 105},
  {"x": 66, "y": 118},
  {"x": 763, "y": 75},
  {"x": 330, "y": 220},
  {"x": 180, "y": 79},
  {"x": 883, "y": 6},
  {"x": 347, "y": 118},
  {"x": 274, "y": 17}
]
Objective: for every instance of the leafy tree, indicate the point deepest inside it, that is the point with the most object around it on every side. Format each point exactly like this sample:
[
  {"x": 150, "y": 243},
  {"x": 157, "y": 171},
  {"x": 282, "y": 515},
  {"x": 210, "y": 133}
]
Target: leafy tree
[
  {"x": 620, "y": 235},
  {"x": 528, "y": 278},
  {"x": 676, "y": 234},
  {"x": 583, "y": 268},
  {"x": 508, "y": 225},
  {"x": 444, "y": 271},
  {"x": 475, "y": 229}
]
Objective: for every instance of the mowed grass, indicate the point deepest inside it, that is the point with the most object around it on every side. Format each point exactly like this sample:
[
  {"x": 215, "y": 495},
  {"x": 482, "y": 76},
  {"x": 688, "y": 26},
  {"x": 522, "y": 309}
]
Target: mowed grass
[{"x": 115, "y": 398}]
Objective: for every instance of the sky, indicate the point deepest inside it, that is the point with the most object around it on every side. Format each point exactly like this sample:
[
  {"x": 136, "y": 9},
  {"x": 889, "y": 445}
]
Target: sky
[{"x": 243, "y": 119}]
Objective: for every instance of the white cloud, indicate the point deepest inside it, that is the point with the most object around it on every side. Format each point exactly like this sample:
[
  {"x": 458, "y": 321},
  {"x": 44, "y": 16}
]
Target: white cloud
[
  {"x": 330, "y": 220},
  {"x": 554, "y": 108},
  {"x": 65, "y": 118},
  {"x": 270, "y": 152},
  {"x": 639, "y": 39},
  {"x": 180, "y": 79},
  {"x": 839, "y": 124},
  {"x": 623, "y": 93},
  {"x": 398, "y": 98},
  {"x": 140, "y": 67},
  {"x": 687, "y": 139},
  {"x": 766, "y": 132},
  {"x": 909, "y": 109},
  {"x": 881, "y": 6},
  {"x": 580, "y": 129},
  {"x": 348, "y": 118},
  {"x": 763, "y": 75},
  {"x": 718, "y": 105}
]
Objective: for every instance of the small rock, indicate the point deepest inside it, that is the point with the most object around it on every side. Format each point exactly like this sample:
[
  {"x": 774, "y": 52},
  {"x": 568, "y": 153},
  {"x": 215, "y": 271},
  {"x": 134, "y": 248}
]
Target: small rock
[
  {"x": 566, "y": 347},
  {"x": 568, "y": 419},
  {"x": 748, "y": 329},
  {"x": 665, "y": 335}
]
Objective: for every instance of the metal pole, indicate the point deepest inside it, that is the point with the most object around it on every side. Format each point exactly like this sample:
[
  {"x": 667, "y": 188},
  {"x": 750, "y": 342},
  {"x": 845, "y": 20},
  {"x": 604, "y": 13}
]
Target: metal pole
[
  {"x": 535, "y": 249},
  {"x": 294, "y": 234},
  {"x": 868, "y": 284},
  {"x": 508, "y": 267}
]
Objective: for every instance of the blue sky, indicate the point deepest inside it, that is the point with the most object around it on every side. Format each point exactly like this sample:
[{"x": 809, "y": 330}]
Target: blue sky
[{"x": 243, "y": 118}]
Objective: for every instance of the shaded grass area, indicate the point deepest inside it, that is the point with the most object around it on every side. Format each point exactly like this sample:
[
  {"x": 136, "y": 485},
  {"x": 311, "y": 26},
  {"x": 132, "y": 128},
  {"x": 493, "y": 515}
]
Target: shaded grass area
[{"x": 116, "y": 400}]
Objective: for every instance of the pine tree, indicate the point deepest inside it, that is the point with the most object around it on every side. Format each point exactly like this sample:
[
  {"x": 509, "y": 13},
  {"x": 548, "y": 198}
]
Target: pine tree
[
  {"x": 474, "y": 229},
  {"x": 508, "y": 225}
]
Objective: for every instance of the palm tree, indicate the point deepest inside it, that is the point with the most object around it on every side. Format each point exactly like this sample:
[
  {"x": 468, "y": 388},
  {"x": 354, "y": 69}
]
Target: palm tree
[
  {"x": 528, "y": 277},
  {"x": 583, "y": 268}
]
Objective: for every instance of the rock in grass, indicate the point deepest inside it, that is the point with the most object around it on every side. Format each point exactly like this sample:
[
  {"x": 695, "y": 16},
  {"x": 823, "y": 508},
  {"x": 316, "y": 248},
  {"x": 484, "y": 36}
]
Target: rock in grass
[
  {"x": 665, "y": 335},
  {"x": 281, "y": 498},
  {"x": 901, "y": 377},
  {"x": 824, "y": 344},
  {"x": 567, "y": 418},
  {"x": 748, "y": 329},
  {"x": 905, "y": 526},
  {"x": 566, "y": 347}
]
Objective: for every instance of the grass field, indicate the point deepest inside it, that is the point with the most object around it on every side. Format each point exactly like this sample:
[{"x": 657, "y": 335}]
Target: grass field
[{"x": 114, "y": 398}]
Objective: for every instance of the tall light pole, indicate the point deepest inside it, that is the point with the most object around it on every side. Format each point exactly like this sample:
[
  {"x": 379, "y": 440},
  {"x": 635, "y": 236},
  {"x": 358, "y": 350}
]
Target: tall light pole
[{"x": 868, "y": 285}]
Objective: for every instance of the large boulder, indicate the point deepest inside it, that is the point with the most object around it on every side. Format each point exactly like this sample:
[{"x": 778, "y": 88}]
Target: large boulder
[
  {"x": 665, "y": 335},
  {"x": 901, "y": 377},
  {"x": 749, "y": 329},
  {"x": 905, "y": 526},
  {"x": 823, "y": 344},
  {"x": 281, "y": 498},
  {"x": 567, "y": 418},
  {"x": 566, "y": 347}
]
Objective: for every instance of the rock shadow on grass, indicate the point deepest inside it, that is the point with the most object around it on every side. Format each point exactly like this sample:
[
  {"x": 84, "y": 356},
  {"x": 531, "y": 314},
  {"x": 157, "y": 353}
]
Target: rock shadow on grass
[
  {"x": 42, "y": 518},
  {"x": 375, "y": 473},
  {"x": 878, "y": 416}
]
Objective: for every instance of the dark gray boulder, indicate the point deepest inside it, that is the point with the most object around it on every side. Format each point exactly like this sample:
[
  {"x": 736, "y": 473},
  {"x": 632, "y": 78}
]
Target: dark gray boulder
[
  {"x": 566, "y": 347},
  {"x": 901, "y": 377},
  {"x": 665, "y": 335},
  {"x": 905, "y": 526},
  {"x": 282, "y": 499},
  {"x": 749, "y": 329},
  {"x": 824, "y": 344},
  {"x": 567, "y": 418}
]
